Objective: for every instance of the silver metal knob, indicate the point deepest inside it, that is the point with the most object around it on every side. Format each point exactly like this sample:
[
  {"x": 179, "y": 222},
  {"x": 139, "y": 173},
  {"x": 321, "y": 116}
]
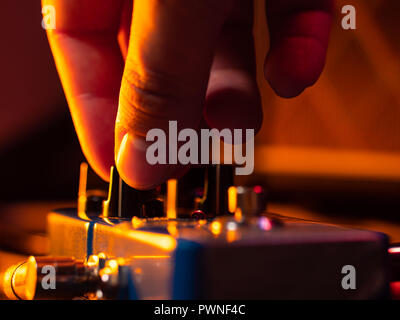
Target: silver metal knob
[{"x": 250, "y": 202}]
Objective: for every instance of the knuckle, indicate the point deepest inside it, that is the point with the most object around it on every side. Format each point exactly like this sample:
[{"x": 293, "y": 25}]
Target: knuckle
[{"x": 148, "y": 99}]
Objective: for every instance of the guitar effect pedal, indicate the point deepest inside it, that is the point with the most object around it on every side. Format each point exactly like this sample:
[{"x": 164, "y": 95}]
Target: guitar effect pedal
[{"x": 200, "y": 237}]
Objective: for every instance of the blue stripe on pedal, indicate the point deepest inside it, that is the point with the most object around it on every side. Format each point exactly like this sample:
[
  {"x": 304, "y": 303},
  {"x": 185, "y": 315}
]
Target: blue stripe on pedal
[{"x": 89, "y": 243}]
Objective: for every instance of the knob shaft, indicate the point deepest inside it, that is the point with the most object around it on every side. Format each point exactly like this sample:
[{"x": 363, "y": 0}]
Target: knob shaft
[
  {"x": 251, "y": 201},
  {"x": 218, "y": 179},
  {"x": 126, "y": 202}
]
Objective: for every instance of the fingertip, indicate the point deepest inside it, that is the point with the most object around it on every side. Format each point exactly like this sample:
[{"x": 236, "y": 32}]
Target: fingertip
[
  {"x": 233, "y": 101},
  {"x": 294, "y": 65},
  {"x": 134, "y": 168},
  {"x": 101, "y": 169},
  {"x": 99, "y": 154},
  {"x": 130, "y": 164}
]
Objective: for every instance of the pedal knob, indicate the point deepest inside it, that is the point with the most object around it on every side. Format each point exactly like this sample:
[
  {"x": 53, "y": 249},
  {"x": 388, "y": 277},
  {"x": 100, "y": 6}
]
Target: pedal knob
[
  {"x": 218, "y": 179},
  {"x": 250, "y": 202},
  {"x": 126, "y": 202}
]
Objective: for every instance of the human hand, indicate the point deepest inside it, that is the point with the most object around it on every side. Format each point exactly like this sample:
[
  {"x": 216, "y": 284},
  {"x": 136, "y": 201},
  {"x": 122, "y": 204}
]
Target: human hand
[{"x": 125, "y": 73}]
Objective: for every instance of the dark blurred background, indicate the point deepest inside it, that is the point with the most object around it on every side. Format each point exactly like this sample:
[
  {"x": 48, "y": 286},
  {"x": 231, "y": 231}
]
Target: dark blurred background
[{"x": 39, "y": 150}]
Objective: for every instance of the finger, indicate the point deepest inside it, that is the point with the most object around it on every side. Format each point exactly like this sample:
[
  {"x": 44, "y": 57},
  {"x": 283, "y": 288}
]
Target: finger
[
  {"x": 90, "y": 64},
  {"x": 233, "y": 99},
  {"x": 165, "y": 78},
  {"x": 299, "y": 35},
  {"x": 125, "y": 27}
]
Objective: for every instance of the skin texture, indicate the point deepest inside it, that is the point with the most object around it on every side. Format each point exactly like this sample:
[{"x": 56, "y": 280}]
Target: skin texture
[{"x": 129, "y": 67}]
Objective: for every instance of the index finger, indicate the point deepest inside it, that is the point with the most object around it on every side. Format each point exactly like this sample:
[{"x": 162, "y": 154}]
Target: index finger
[{"x": 90, "y": 64}]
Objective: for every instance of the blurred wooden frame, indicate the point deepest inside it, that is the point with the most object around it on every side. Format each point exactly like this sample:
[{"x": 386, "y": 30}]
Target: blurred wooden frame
[{"x": 338, "y": 164}]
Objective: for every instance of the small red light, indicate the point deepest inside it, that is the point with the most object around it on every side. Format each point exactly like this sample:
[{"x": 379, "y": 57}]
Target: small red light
[{"x": 257, "y": 189}]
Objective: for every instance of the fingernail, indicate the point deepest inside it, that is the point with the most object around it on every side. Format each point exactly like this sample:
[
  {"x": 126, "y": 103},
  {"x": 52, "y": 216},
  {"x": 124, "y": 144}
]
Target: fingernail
[
  {"x": 133, "y": 167},
  {"x": 122, "y": 147}
]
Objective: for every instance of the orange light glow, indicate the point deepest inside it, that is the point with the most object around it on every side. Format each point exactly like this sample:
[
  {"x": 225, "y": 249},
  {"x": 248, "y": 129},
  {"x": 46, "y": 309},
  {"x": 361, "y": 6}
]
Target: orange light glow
[
  {"x": 161, "y": 241},
  {"x": 108, "y": 221},
  {"x": 102, "y": 255},
  {"x": 172, "y": 228},
  {"x": 216, "y": 228},
  {"x": 106, "y": 203},
  {"x": 325, "y": 162},
  {"x": 238, "y": 214},
  {"x": 171, "y": 198},
  {"x": 121, "y": 261},
  {"x": 231, "y": 236},
  {"x": 82, "y": 191},
  {"x": 138, "y": 270},
  {"x": 150, "y": 257},
  {"x": 136, "y": 222},
  {"x": 232, "y": 199},
  {"x": 93, "y": 261},
  {"x": 112, "y": 264}
]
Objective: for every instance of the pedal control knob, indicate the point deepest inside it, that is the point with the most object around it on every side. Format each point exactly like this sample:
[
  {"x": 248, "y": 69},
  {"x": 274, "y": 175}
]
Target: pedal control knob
[{"x": 250, "y": 202}]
